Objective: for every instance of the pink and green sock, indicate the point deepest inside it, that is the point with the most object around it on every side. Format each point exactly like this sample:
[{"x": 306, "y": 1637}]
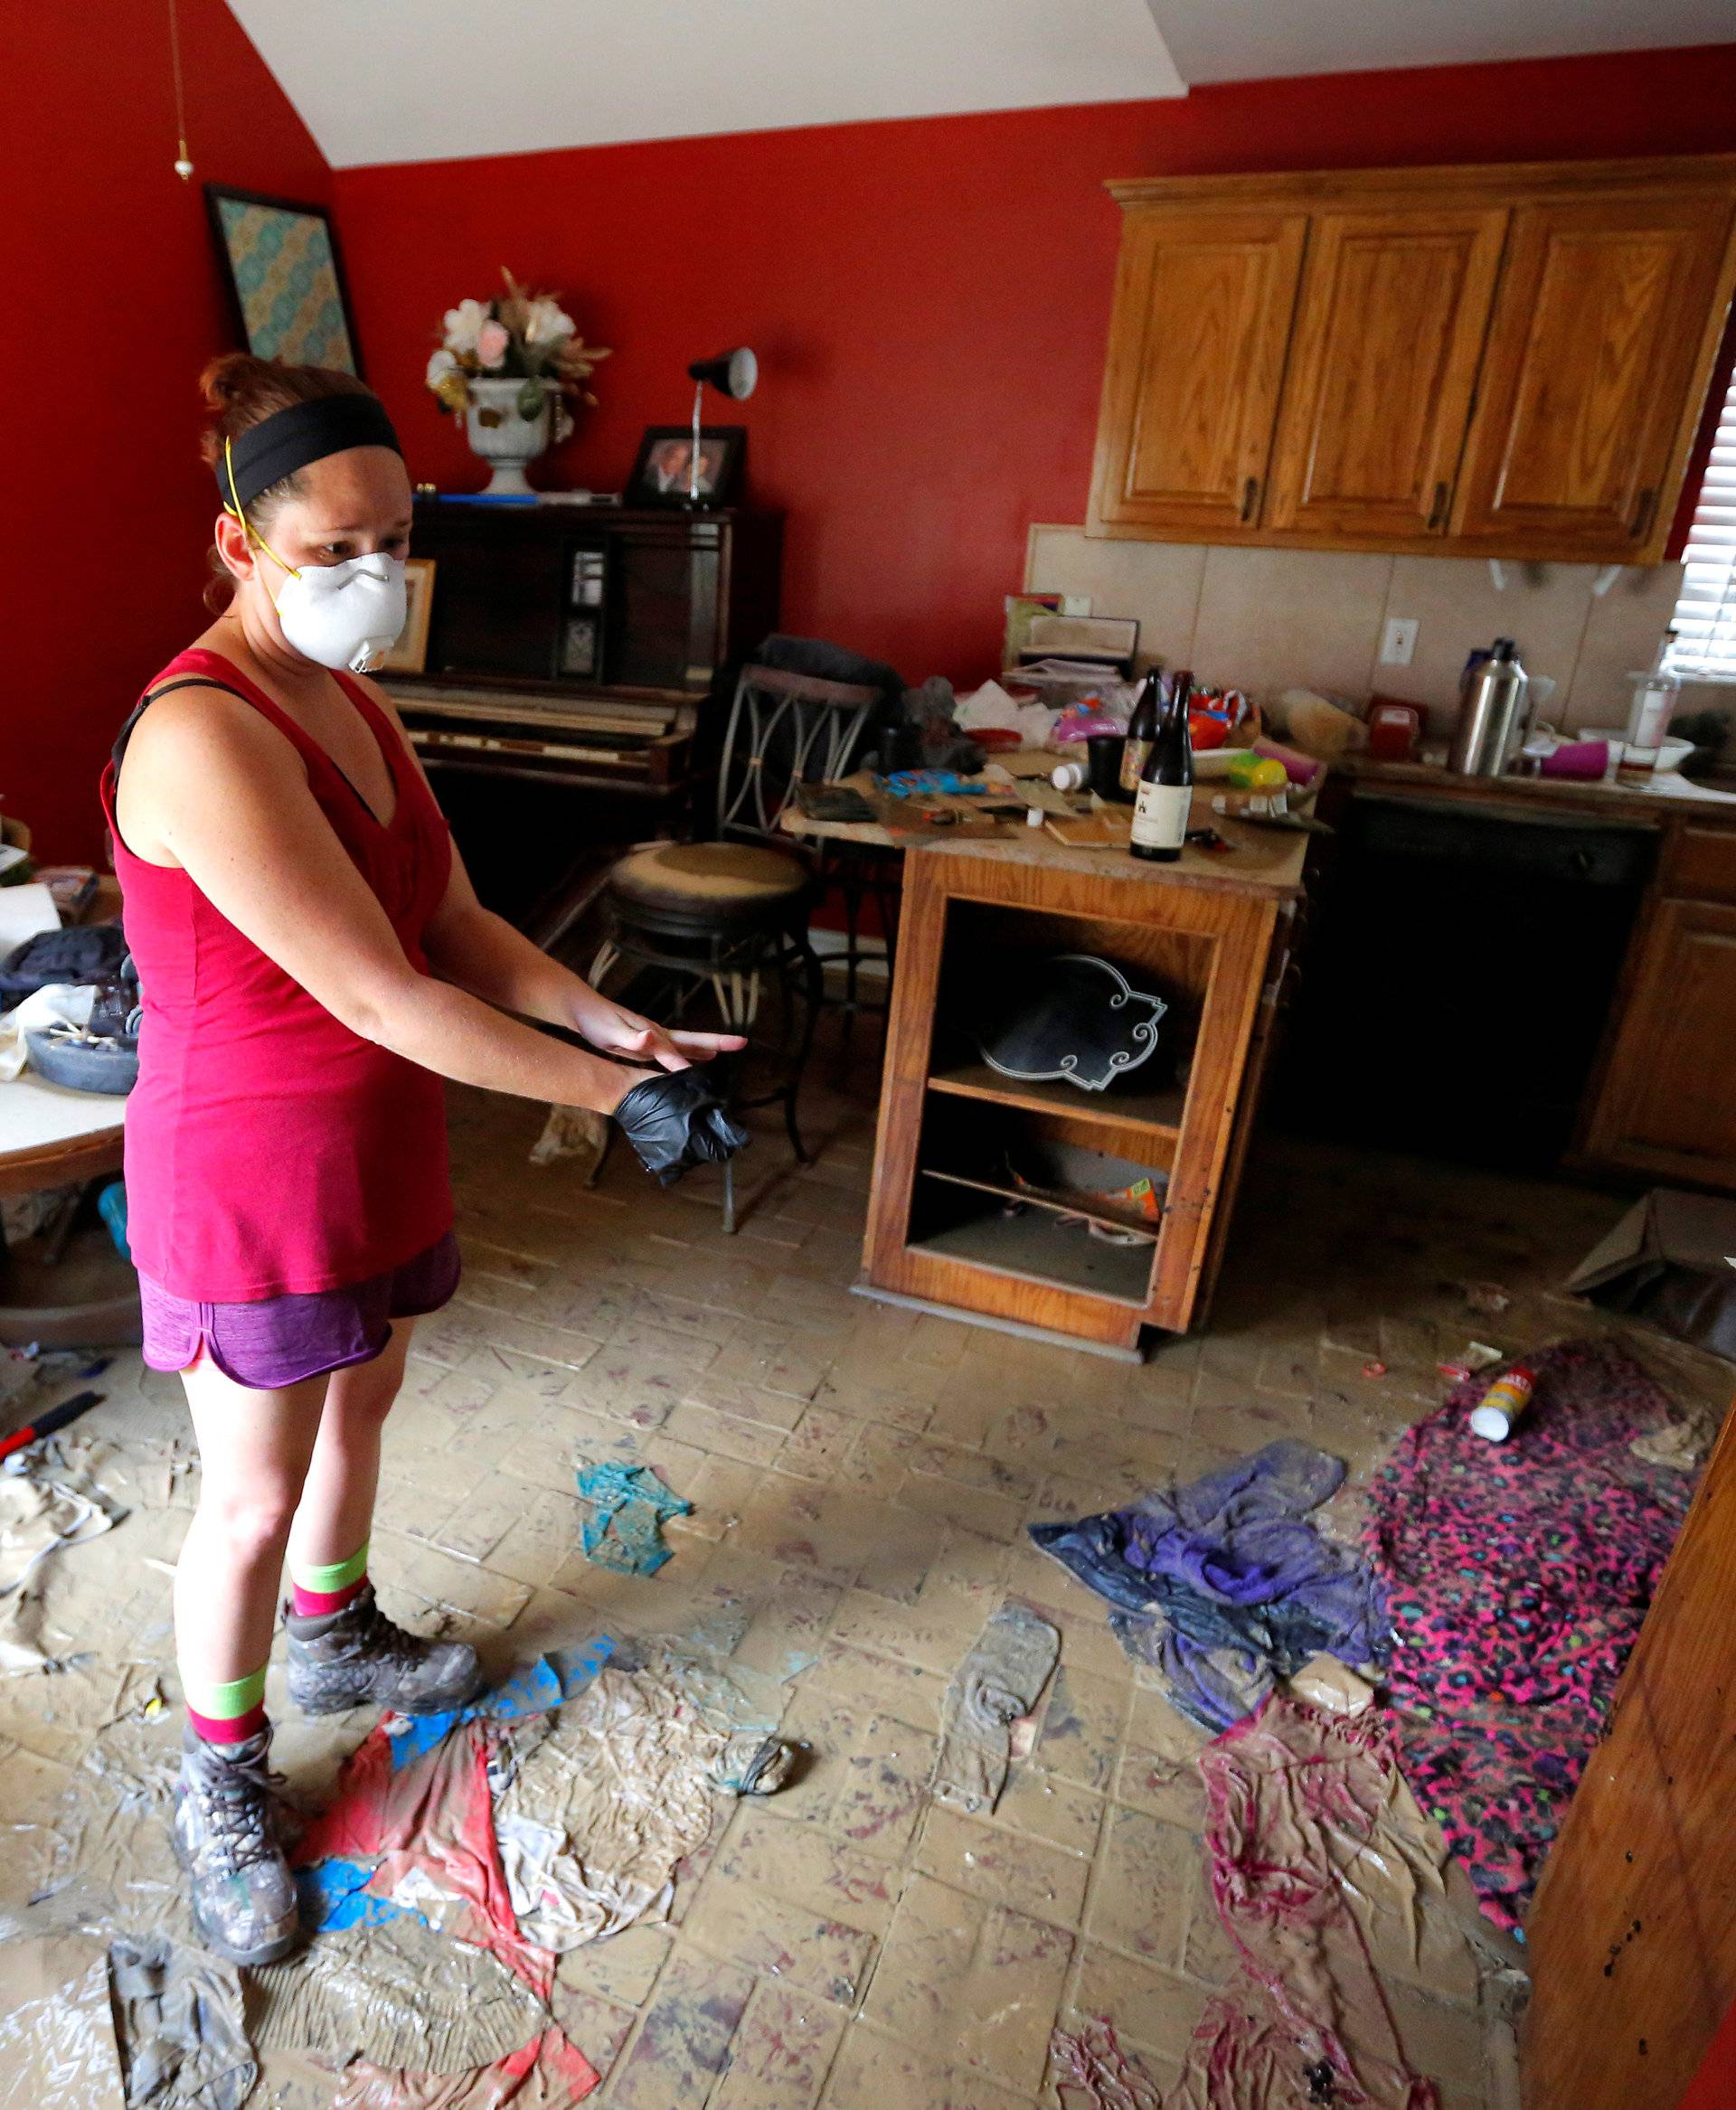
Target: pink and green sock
[
  {"x": 316, "y": 1591},
  {"x": 226, "y": 1713}
]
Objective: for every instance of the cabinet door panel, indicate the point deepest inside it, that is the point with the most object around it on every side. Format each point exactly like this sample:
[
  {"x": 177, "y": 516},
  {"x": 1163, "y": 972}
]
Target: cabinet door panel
[
  {"x": 1196, "y": 356},
  {"x": 1596, "y": 341},
  {"x": 1389, "y": 332},
  {"x": 1669, "y": 1101}
]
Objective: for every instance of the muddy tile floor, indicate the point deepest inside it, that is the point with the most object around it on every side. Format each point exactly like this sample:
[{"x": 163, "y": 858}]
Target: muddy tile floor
[{"x": 861, "y": 1479}]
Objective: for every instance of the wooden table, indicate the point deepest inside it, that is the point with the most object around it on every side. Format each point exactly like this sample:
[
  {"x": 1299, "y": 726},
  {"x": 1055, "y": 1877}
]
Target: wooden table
[
  {"x": 1209, "y": 932},
  {"x": 88, "y": 1295}
]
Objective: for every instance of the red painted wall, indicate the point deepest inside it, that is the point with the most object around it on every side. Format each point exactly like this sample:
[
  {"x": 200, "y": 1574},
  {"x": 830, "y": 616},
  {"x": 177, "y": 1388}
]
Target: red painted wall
[
  {"x": 115, "y": 302},
  {"x": 930, "y": 298}
]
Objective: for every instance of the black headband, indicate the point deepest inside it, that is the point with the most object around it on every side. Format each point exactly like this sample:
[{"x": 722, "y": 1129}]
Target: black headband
[{"x": 288, "y": 440}]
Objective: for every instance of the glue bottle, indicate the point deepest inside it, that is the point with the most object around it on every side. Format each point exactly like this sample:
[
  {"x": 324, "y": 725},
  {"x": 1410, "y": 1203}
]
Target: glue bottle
[{"x": 1502, "y": 1405}]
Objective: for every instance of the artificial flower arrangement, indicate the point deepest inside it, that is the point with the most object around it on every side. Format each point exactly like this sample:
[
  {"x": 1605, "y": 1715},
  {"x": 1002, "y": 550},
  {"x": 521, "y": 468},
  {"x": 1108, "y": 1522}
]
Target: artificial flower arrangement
[{"x": 516, "y": 337}]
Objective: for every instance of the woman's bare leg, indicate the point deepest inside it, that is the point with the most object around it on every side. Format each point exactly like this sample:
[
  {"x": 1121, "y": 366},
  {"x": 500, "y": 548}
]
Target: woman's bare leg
[
  {"x": 336, "y": 1510},
  {"x": 342, "y": 1650},
  {"x": 254, "y": 1450}
]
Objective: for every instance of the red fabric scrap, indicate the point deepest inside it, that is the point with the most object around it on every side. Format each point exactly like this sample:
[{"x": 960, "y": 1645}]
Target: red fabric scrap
[{"x": 436, "y": 1816}]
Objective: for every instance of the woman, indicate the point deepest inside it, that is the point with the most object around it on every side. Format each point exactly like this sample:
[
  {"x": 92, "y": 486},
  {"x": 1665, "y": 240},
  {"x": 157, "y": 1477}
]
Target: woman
[{"x": 313, "y": 962}]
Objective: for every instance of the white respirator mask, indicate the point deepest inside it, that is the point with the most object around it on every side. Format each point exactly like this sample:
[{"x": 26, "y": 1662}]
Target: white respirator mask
[
  {"x": 344, "y": 616},
  {"x": 339, "y": 616}
]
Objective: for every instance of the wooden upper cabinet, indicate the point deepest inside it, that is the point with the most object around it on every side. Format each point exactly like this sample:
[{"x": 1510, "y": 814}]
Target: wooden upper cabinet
[
  {"x": 1196, "y": 350},
  {"x": 1489, "y": 361},
  {"x": 1382, "y": 368},
  {"x": 1588, "y": 404}
]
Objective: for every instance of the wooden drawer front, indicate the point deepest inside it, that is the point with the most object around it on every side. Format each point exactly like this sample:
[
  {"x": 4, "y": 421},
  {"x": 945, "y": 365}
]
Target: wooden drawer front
[
  {"x": 1698, "y": 865},
  {"x": 1197, "y": 353},
  {"x": 1389, "y": 332}
]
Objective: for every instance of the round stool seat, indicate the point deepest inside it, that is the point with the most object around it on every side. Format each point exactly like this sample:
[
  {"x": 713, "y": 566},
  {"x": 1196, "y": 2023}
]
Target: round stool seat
[{"x": 724, "y": 881}]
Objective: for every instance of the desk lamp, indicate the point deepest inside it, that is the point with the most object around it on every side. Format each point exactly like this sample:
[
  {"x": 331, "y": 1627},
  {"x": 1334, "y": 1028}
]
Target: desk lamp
[{"x": 730, "y": 373}]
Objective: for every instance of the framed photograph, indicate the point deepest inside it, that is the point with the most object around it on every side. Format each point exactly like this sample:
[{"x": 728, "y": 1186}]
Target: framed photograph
[
  {"x": 285, "y": 279},
  {"x": 409, "y": 654},
  {"x": 662, "y": 476}
]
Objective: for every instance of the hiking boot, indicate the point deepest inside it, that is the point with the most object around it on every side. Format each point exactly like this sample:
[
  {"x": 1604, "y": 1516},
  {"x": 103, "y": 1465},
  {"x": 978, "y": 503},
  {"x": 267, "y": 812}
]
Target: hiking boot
[
  {"x": 357, "y": 1657},
  {"x": 225, "y": 1836}
]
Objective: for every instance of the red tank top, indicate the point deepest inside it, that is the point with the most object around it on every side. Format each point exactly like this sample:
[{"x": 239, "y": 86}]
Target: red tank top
[{"x": 270, "y": 1151}]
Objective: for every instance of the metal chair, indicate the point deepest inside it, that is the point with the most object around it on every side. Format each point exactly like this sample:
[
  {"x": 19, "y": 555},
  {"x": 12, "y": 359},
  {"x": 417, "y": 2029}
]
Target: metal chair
[{"x": 728, "y": 919}]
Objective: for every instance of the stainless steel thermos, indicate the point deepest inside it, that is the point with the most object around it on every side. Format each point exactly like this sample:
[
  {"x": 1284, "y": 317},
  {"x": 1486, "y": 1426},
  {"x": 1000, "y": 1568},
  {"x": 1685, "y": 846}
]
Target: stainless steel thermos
[{"x": 1493, "y": 715}]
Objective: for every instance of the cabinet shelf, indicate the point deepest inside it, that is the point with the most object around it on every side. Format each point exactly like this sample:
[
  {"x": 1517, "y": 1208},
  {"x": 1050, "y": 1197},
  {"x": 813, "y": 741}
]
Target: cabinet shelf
[
  {"x": 1056, "y": 1200},
  {"x": 1158, "y": 1111},
  {"x": 1031, "y": 1245}
]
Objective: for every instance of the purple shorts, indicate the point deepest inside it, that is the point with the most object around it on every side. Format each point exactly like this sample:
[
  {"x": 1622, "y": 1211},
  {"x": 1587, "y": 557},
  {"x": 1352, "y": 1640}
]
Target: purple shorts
[{"x": 277, "y": 1340}]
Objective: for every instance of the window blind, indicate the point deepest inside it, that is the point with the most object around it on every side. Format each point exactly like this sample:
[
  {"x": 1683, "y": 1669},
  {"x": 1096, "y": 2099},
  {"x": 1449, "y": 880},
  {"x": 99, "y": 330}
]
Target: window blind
[{"x": 1705, "y": 615}]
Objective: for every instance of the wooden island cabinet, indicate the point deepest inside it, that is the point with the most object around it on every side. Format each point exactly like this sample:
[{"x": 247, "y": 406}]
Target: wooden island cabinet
[
  {"x": 951, "y": 1225},
  {"x": 1500, "y": 362}
]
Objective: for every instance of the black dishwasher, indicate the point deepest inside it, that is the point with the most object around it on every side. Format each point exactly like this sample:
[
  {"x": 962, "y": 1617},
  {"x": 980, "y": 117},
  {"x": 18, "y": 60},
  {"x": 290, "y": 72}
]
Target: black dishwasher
[{"x": 1458, "y": 975}]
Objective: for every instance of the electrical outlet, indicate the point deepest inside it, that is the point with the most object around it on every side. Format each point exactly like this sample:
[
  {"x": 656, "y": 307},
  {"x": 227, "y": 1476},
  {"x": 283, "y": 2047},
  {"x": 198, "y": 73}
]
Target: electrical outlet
[{"x": 1399, "y": 641}]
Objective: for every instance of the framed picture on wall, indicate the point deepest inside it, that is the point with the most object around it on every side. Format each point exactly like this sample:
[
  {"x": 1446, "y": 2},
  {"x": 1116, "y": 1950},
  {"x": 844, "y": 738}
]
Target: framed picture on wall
[
  {"x": 285, "y": 279},
  {"x": 662, "y": 476},
  {"x": 409, "y": 654}
]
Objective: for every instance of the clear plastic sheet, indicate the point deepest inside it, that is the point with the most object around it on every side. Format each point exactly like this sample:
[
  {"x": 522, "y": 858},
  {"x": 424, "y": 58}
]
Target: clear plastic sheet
[{"x": 57, "y": 2030}]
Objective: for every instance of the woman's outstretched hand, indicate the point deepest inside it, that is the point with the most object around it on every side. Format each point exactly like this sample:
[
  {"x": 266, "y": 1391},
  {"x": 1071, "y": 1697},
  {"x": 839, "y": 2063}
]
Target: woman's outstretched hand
[{"x": 614, "y": 1030}]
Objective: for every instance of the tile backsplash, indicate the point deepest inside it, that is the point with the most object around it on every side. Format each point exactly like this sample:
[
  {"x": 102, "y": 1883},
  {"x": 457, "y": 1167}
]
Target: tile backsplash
[{"x": 1269, "y": 619}]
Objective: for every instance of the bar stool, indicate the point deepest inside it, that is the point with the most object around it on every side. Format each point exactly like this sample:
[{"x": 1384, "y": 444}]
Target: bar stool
[{"x": 727, "y": 920}]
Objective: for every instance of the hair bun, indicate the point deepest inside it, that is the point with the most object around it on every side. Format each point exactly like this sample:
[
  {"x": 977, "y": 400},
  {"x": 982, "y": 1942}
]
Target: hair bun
[
  {"x": 231, "y": 378},
  {"x": 239, "y": 390}
]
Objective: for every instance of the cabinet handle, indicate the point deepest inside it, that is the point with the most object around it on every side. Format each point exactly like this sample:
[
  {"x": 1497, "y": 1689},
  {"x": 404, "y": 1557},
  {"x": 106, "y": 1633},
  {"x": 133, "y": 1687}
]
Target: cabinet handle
[
  {"x": 1643, "y": 512},
  {"x": 1438, "y": 511},
  {"x": 1249, "y": 493}
]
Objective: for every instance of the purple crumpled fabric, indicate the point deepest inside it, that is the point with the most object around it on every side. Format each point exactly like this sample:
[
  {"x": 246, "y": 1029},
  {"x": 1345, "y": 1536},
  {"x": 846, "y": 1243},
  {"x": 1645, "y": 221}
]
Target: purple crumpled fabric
[{"x": 1223, "y": 1584}]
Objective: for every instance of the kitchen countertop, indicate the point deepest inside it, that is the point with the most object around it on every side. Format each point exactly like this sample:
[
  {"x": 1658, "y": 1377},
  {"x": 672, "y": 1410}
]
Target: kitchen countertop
[
  {"x": 1261, "y": 861},
  {"x": 1668, "y": 796}
]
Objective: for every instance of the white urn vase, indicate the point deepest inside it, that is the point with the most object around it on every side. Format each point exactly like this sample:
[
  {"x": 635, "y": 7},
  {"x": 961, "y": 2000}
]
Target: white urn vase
[{"x": 505, "y": 439}]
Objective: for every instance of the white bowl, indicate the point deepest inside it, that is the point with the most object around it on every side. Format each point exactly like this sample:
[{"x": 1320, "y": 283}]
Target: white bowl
[{"x": 1671, "y": 754}]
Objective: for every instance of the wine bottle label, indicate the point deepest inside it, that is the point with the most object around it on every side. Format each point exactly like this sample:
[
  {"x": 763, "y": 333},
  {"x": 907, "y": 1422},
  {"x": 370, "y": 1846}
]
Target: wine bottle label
[
  {"x": 1160, "y": 815},
  {"x": 1132, "y": 760}
]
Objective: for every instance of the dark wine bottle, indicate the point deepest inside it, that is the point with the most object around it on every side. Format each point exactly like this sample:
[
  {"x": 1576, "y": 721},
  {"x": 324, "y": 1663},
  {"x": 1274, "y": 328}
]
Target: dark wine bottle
[
  {"x": 1166, "y": 781},
  {"x": 1142, "y": 724}
]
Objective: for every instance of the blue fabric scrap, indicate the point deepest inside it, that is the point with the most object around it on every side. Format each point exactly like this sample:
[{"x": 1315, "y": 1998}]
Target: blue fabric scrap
[
  {"x": 539, "y": 1686},
  {"x": 332, "y": 1897},
  {"x": 629, "y": 1503}
]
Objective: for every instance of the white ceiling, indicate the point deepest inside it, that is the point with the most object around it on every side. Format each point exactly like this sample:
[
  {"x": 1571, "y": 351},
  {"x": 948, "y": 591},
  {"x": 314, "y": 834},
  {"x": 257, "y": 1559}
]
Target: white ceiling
[
  {"x": 1267, "y": 39},
  {"x": 383, "y": 80},
  {"x": 380, "y": 80}
]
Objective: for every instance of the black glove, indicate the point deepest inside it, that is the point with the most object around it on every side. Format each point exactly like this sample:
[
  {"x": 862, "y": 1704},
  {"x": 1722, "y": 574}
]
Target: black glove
[{"x": 676, "y": 1119}]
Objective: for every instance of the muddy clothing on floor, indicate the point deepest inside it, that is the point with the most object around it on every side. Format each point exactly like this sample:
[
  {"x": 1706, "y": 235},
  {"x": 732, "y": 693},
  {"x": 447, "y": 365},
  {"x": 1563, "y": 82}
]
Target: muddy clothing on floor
[
  {"x": 1307, "y": 1811},
  {"x": 1223, "y": 1584},
  {"x": 998, "y": 1683},
  {"x": 1518, "y": 1575}
]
